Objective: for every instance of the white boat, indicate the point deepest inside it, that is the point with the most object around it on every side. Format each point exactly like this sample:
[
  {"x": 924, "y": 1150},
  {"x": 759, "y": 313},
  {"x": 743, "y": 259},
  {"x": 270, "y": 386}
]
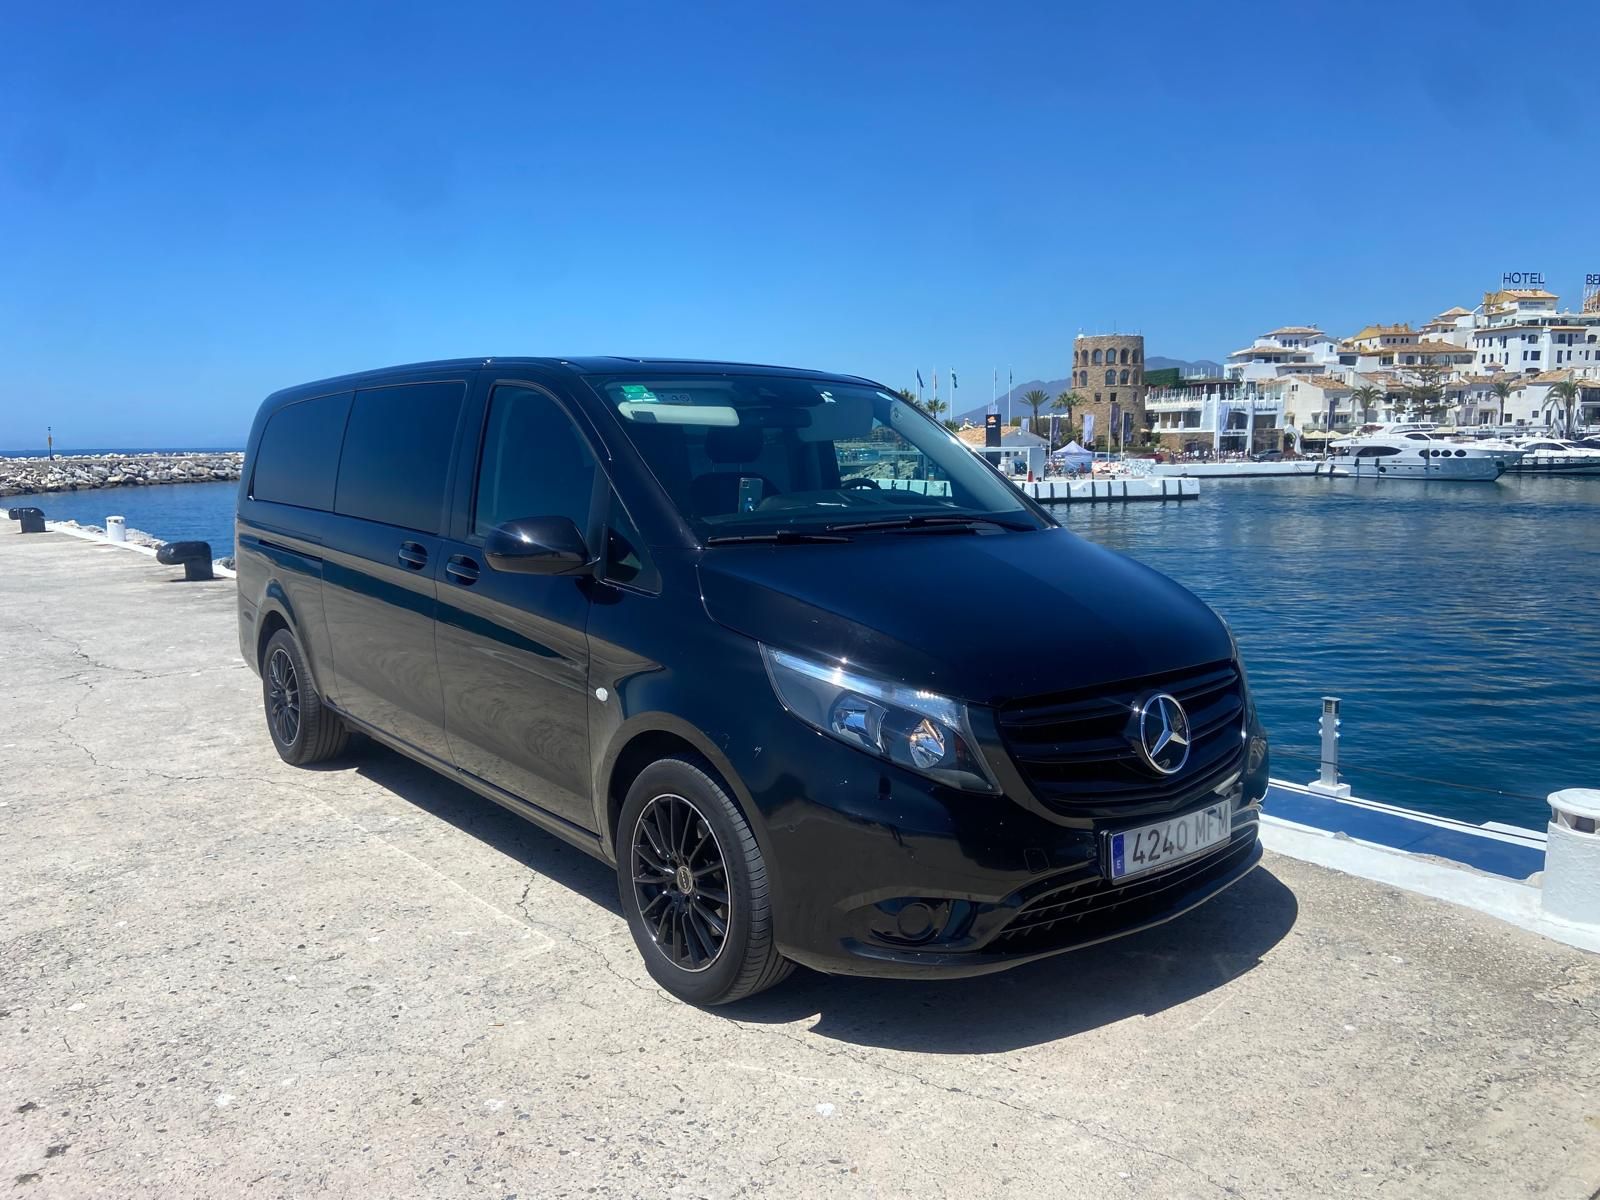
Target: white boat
[
  {"x": 1413, "y": 451},
  {"x": 1554, "y": 456}
]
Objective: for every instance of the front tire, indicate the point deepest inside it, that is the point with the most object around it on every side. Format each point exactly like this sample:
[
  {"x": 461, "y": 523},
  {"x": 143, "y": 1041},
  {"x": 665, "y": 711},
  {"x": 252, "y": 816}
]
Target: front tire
[
  {"x": 304, "y": 730},
  {"x": 693, "y": 885}
]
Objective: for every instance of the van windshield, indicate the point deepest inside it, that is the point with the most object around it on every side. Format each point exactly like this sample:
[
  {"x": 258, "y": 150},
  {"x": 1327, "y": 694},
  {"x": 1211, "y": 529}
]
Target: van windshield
[{"x": 746, "y": 456}]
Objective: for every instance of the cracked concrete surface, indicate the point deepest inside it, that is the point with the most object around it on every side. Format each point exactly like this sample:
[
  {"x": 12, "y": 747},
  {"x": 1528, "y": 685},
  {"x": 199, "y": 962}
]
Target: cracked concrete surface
[{"x": 223, "y": 976}]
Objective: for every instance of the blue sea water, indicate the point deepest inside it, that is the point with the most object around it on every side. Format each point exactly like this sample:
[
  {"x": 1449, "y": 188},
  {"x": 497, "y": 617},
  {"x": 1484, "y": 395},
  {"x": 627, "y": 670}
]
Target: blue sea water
[
  {"x": 174, "y": 512},
  {"x": 1458, "y": 621},
  {"x": 37, "y": 452}
]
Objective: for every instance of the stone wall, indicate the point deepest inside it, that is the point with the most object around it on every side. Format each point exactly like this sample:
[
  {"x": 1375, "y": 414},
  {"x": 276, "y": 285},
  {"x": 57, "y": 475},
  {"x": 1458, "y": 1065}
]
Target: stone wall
[
  {"x": 19, "y": 476},
  {"x": 1122, "y": 354}
]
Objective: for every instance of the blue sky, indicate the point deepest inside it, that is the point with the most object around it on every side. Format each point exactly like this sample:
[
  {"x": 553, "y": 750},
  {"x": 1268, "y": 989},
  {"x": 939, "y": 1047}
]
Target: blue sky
[{"x": 200, "y": 203}]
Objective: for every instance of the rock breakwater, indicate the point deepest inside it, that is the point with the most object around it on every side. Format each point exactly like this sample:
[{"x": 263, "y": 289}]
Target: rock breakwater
[{"x": 21, "y": 476}]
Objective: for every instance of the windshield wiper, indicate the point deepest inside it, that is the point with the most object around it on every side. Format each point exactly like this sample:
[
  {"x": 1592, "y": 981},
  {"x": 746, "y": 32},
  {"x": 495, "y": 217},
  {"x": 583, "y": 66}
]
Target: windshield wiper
[
  {"x": 781, "y": 536},
  {"x": 925, "y": 520}
]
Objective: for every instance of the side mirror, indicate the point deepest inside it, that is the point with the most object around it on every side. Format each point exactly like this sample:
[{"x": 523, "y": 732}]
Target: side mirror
[{"x": 537, "y": 546}]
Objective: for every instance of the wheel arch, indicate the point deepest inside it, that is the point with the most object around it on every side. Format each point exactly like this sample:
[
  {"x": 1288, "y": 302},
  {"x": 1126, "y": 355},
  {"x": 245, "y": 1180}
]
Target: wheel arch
[
  {"x": 270, "y": 622},
  {"x": 648, "y": 738},
  {"x": 277, "y": 611}
]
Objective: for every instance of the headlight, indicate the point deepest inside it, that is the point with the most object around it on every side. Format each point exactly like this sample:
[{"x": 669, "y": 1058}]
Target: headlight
[{"x": 921, "y": 731}]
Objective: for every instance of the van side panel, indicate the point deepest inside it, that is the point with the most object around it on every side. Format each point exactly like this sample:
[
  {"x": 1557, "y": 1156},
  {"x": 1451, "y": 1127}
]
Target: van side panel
[
  {"x": 380, "y": 552},
  {"x": 281, "y": 523}
]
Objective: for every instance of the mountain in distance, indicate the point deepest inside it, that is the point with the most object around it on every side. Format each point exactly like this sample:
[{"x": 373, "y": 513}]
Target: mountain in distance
[
  {"x": 1050, "y": 387},
  {"x": 1054, "y": 387},
  {"x": 1198, "y": 366}
]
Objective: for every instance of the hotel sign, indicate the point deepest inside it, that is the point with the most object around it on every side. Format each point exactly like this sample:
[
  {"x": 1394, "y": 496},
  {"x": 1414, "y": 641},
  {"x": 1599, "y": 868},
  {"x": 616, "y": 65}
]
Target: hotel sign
[
  {"x": 1591, "y": 281},
  {"x": 1517, "y": 279}
]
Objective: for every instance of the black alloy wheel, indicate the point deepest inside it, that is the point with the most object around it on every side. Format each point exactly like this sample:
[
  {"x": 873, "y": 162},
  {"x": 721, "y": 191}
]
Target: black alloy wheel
[
  {"x": 283, "y": 696},
  {"x": 680, "y": 882},
  {"x": 303, "y": 729},
  {"x": 693, "y": 884}
]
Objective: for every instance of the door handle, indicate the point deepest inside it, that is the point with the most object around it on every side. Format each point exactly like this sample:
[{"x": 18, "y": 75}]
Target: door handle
[
  {"x": 413, "y": 555},
  {"x": 461, "y": 569}
]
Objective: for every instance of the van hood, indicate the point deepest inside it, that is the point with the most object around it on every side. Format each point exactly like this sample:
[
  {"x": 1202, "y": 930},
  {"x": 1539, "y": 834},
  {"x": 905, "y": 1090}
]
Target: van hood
[{"x": 986, "y": 618}]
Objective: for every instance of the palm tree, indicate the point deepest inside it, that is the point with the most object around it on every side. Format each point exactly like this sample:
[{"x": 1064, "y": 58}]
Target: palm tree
[
  {"x": 934, "y": 407},
  {"x": 1367, "y": 398},
  {"x": 1066, "y": 402},
  {"x": 1035, "y": 398},
  {"x": 1566, "y": 392},
  {"x": 1502, "y": 389},
  {"x": 909, "y": 397}
]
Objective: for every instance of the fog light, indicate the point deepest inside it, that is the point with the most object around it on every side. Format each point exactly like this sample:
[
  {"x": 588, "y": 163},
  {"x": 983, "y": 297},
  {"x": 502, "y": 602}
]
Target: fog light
[{"x": 914, "y": 922}]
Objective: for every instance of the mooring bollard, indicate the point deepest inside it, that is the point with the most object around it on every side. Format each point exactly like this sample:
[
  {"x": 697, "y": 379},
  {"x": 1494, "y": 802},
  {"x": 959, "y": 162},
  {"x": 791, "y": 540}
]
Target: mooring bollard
[
  {"x": 117, "y": 529},
  {"x": 1571, "y": 888},
  {"x": 1327, "y": 782},
  {"x": 30, "y": 519},
  {"x": 195, "y": 558}
]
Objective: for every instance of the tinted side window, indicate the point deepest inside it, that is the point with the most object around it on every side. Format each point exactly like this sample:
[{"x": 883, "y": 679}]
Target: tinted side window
[
  {"x": 397, "y": 453},
  {"x": 534, "y": 463},
  {"x": 298, "y": 456}
]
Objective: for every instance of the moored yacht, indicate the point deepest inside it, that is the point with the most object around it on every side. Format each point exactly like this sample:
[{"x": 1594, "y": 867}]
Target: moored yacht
[
  {"x": 1413, "y": 451},
  {"x": 1554, "y": 456}
]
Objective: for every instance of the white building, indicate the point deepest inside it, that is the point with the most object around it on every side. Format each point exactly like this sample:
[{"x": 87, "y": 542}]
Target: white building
[
  {"x": 1534, "y": 404},
  {"x": 1447, "y": 357},
  {"x": 1473, "y": 401},
  {"x": 1523, "y": 332},
  {"x": 1313, "y": 403},
  {"x": 1286, "y": 351},
  {"x": 1211, "y": 414},
  {"x": 1454, "y": 325},
  {"x": 1299, "y": 379},
  {"x": 1376, "y": 337}
]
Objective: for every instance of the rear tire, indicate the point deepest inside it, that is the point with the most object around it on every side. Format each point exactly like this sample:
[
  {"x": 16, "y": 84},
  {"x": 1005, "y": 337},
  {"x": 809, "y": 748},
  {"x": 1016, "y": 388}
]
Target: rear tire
[
  {"x": 303, "y": 729},
  {"x": 693, "y": 886}
]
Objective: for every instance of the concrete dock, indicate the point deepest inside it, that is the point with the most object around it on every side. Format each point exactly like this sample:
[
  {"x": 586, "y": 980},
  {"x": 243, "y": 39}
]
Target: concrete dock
[
  {"x": 1247, "y": 470},
  {"x": 222, "y": 976}
]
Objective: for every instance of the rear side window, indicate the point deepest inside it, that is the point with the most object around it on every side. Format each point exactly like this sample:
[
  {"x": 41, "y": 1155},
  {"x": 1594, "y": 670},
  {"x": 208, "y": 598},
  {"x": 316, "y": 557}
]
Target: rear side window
[
  {"x": 397, "y": 452},
  {"x": 298, "y": 457},
  {"x": 534, "y": 464}
]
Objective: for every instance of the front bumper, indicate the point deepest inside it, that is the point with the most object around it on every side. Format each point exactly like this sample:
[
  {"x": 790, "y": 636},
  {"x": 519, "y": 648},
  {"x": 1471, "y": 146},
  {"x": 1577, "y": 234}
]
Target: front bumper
[
  {"x": 889, "y": 874},
  {"x": 1068, "y": 915}
]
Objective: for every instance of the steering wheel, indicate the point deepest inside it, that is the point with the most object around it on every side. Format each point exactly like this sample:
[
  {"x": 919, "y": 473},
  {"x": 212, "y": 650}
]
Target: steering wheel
[{"x": 859, "y": 481}]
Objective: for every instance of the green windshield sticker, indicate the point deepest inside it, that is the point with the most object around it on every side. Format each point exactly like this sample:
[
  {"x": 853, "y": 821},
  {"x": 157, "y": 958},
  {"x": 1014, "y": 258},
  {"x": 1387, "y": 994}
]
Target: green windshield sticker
[{"x": 637, "y": 393}]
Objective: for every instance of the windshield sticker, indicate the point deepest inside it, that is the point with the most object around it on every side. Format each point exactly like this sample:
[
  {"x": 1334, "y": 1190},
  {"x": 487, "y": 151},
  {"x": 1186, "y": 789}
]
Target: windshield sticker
[{"x": 637, "y": 393}]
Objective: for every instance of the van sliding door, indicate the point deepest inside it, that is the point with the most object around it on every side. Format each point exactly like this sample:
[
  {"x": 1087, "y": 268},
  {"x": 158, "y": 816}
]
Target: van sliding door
[{"x": 378, "y": 570}]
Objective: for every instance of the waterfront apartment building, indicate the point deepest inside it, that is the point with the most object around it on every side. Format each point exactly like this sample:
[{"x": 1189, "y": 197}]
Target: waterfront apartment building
[
  {"x": 1208, "y": 413},
  {"x": 1453, "y": 325},
  {"x": 1108, "y": 373},
  {"x": 1523, "y": 332},
  {"x": 1286, "y": 351},
  {"x": 1409, "y": 355},
  {"x": 1301, "y": 382},
  {"x": 1381, "y": 337}
]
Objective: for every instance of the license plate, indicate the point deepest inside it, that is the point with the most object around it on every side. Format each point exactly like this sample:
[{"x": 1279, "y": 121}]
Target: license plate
[{"x": 1150, "y": 846}]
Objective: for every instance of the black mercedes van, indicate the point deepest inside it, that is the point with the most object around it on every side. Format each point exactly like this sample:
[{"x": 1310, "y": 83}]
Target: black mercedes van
[{"x": 756, "y": 636}]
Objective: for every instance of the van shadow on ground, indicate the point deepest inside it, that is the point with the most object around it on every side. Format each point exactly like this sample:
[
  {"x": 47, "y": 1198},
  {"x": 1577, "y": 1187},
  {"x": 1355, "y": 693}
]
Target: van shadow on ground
[{"x": 1040, "y": 1002}]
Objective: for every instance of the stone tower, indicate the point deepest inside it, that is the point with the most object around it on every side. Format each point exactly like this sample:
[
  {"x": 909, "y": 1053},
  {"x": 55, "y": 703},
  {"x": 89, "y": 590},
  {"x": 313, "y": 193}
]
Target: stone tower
[{"x": 1107, "y": 370}]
